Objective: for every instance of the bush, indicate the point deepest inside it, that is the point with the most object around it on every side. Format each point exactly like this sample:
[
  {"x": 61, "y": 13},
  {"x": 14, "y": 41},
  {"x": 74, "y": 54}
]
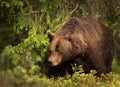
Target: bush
[{"x": 22, "y": 77}]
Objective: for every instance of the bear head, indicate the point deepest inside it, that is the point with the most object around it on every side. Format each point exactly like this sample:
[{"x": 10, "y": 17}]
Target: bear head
[{"x": 60, "y": 49}]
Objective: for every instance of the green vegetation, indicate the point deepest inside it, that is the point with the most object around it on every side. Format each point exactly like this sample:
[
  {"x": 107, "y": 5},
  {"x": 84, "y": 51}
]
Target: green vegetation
[
  {"x": 23, "y": 40},
  {"x": 20, "y": 77}
]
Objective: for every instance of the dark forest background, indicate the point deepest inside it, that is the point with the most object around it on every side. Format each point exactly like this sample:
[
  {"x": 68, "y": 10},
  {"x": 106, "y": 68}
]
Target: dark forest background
[{"x": 24, "y": 42}]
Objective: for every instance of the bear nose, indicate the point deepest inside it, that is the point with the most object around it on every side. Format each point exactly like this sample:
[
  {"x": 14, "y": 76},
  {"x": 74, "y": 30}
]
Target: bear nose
[{"x": 50, "y": 63}]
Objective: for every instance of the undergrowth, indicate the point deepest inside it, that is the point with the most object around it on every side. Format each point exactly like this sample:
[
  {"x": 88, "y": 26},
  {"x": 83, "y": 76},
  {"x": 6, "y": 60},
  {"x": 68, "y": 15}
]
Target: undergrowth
[{"x": 21, "y": 77}]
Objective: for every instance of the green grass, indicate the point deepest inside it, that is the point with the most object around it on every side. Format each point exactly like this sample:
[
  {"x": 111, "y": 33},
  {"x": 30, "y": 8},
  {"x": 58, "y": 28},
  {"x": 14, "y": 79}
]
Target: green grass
[
  {"x": 116, "y": 67},
  {"x": 20, "y": 77}
]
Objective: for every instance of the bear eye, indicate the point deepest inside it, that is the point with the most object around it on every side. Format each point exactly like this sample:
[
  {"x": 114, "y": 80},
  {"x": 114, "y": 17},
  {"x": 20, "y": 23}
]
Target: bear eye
[{"x": 57, "y": 49}]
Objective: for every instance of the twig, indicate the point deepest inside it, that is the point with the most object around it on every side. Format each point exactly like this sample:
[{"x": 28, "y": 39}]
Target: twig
[{"x": 74, "y": 9}]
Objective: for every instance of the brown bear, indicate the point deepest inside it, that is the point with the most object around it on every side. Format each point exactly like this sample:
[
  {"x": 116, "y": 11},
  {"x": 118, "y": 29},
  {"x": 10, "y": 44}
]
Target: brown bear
[{"x": 84, "y": 42}]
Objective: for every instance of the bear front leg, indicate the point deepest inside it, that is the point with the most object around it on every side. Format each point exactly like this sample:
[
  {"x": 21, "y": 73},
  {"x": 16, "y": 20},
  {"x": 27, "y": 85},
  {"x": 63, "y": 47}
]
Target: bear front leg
[
  {"x": 86, "y": 67},
  {"x": 98, "y": 62}
]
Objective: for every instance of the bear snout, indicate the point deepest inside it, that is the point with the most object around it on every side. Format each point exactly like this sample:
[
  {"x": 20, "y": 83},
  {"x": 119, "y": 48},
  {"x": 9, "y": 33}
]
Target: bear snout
[
  {"x": 50, "y": 63},
  {"x": 54, "y": 61}
]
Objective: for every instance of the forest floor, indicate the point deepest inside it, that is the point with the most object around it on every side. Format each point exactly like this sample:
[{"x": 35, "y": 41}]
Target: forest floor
[{"x": 19, "y": 77}]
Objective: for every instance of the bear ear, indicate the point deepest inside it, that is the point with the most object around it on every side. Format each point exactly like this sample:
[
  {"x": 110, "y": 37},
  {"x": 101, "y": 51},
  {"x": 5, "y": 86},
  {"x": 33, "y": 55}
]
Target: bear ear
[{"x": 50, "y": 35}]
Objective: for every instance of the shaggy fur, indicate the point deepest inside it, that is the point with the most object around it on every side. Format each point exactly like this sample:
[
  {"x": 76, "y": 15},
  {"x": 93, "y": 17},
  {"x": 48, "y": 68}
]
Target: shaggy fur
[{"x": 82, "y": 41}]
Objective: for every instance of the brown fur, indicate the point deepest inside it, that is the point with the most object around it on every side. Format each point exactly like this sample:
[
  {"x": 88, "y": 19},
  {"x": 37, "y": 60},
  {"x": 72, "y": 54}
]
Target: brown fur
[{"x": 82, "y": 41}]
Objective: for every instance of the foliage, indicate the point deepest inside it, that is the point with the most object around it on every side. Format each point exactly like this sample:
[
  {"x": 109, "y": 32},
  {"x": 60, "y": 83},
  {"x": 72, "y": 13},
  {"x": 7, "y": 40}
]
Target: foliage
[
  {"x": 10, "y": 7},
  {"x": 26, "y": 78},
  {"x": 24, "y": 42}
]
